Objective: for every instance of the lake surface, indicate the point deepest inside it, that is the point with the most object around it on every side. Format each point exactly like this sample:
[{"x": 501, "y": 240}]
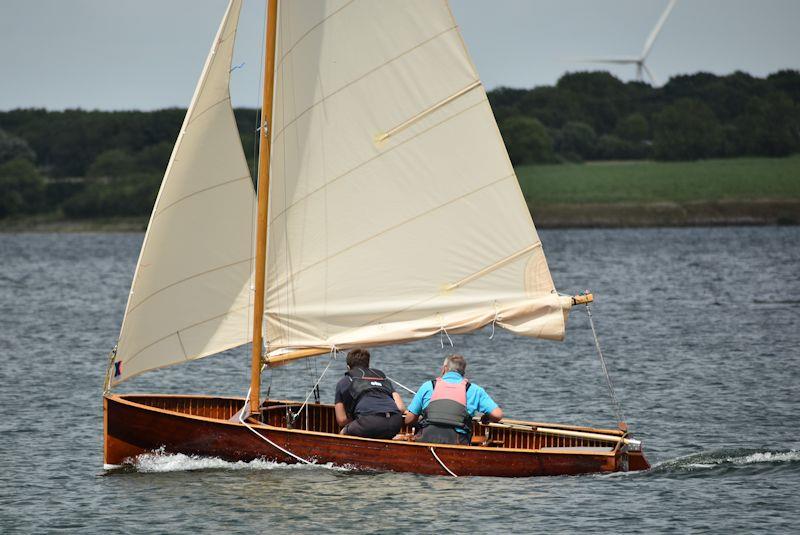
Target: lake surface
[{"x": 700, "y": 329}]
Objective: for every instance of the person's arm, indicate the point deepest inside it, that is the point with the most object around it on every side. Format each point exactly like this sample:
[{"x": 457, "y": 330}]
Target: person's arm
[
  {"x": 341, "y": 414},
  {"x": 494, "y": 416},
  {"x": 485, "y": 404},
  {"x": 415, "y": 407},
  {"x": 410, "y": 418},
  {"x": 399, "y": 402}
]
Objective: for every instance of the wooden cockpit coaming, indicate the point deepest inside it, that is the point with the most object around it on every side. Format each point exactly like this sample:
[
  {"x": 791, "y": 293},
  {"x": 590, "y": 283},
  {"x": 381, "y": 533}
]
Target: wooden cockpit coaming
[{"x": 320, "y": 418}]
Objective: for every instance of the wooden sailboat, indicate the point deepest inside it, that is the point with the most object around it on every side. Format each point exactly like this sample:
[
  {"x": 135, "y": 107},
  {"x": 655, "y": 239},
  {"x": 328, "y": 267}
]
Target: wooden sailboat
[{"x": 387, "y": 211}]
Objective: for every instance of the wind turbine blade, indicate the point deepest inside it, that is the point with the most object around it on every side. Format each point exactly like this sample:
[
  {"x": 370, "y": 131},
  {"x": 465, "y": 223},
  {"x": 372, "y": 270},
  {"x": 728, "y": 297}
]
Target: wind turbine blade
[
  {"x": 650, "y": 75},
  {"x": 657, "y": 28},
  {"x": 621, "y": 61}
]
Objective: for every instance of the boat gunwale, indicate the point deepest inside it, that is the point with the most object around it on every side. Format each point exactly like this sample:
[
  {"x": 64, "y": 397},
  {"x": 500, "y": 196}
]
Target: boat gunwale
[{"x": 120, "y": 398}]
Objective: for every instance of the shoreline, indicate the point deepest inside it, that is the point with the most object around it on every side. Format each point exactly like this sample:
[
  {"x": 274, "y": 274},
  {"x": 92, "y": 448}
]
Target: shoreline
[{"x": 759, "y": 212}]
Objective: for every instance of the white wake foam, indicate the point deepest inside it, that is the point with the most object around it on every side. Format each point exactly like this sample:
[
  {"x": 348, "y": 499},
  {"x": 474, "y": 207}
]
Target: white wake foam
[
  {"x": 766, "y": 457},
  {"x": 722, "y": 458},
  {"x": 158, "y": 462}
]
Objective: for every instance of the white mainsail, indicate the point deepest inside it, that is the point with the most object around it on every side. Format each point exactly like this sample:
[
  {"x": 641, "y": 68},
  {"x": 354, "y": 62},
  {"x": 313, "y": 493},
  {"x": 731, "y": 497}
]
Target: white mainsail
[
  {"x": 190, "y": 295},
  {"x": 395, "y": 212}
]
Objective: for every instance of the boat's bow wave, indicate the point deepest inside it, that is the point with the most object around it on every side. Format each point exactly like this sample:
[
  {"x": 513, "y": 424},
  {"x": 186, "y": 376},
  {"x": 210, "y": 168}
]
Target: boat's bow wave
[
  {"x": 723, "y": 461},
  {"x": 159, "y": 461}
]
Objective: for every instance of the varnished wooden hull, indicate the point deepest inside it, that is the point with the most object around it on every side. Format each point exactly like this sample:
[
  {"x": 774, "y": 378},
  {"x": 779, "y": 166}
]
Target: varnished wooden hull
[{"x": 200, "y": 426}]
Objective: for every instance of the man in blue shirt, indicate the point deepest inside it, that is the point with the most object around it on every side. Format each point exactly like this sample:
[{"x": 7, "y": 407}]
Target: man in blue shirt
[{"x": 445, "y": 406}]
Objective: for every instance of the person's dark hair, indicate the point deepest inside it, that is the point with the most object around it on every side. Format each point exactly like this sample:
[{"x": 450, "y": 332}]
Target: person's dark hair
[
  {"x": 358, "y": 358},
  {"x": 455, "y": 363}
]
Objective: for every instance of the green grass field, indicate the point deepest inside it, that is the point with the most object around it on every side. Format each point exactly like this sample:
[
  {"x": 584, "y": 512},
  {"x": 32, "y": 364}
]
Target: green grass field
[{"x": 651, "y": 182}]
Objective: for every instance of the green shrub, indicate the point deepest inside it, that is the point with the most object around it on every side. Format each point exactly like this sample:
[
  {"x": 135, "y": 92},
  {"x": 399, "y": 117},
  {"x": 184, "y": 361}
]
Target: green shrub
[
  {"x": 132, "y": 195},
  {"x": 21, "y": 188}
]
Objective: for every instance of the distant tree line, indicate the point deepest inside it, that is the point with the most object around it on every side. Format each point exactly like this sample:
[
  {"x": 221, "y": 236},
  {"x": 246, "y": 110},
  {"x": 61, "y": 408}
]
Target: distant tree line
[
  {"x": 595, "y": 116},
  {"x": 108, "y": 164}
]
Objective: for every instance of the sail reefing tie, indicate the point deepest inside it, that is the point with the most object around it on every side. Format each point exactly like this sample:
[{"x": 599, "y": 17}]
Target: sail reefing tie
[
  {"x": 441, "y": 463},
  {"x": 442, "y": 334},
  {"x": 494, "y": 321},
  {"x": 614, "y": 400}
]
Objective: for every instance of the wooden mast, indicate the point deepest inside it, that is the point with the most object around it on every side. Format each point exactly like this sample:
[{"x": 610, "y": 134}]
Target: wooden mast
[{"x": 263, "y": 204}]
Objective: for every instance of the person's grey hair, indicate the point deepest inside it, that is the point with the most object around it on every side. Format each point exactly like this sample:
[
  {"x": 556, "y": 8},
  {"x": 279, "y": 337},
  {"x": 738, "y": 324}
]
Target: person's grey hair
[{"x": 455, "y": 363}]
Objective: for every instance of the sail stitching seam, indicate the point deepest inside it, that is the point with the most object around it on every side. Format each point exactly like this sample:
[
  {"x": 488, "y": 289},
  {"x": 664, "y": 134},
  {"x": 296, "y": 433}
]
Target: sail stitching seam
[
  {"x": 378, "y": 156},
  {"x": 198, "y": 115},
  {"x": 151, "y": 344},
  {"x": 363, "y": 76},
  {"x": 393, "y": 227},
  {"x": 317, "y": 25},
  {"x": 167, "y": 287},
  {"x": 204, "y": 190}
]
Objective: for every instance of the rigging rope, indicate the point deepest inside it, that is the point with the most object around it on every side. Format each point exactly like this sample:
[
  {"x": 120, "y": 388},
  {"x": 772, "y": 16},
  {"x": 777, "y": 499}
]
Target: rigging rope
[
  {"x": 614, "y": 400},
  {"x": 284, "y": 450},
  {"x": 402, "y": 386},
  {"x": 314, "y": 388},
  {"x": 441, "y": 463}
]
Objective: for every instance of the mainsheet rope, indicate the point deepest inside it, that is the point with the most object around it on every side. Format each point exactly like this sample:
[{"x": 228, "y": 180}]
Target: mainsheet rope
[
  {"x": 402, "y": 386},
  {"x": 441, "y": 463}
]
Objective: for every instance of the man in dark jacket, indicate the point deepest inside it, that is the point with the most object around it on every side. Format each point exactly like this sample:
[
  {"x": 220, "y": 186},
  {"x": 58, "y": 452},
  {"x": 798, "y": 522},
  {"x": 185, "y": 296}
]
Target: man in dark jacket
[{"x": 366, "y": 402}]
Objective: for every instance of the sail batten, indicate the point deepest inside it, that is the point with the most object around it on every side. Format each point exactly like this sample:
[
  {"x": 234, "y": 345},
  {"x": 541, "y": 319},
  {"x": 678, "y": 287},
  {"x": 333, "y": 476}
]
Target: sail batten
[
  {"x": 395, "y": 212},
  {"x": 425, "y": 112},
  {"x": 190, "y": 295}
]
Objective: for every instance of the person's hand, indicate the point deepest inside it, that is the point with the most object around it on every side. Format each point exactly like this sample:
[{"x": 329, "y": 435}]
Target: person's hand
[{"x": 485, "y": 419}]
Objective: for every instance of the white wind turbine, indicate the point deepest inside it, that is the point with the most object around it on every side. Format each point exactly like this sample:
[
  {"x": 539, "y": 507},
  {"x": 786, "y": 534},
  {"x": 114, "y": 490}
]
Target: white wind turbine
[{"x": 639, "y": 60}]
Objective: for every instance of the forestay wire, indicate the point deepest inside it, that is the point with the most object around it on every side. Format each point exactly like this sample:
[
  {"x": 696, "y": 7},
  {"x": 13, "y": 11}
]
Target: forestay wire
[{"x": 614, "y": 400}]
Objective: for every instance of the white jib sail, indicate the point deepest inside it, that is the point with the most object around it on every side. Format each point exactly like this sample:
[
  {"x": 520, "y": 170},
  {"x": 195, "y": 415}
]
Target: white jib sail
[
  {"x": 190, "y": 295},
  {"x": 395, "y": 212}
]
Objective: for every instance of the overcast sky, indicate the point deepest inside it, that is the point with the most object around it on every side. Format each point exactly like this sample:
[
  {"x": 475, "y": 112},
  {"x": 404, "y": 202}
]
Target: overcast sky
[{"x": 147, "y": 54}]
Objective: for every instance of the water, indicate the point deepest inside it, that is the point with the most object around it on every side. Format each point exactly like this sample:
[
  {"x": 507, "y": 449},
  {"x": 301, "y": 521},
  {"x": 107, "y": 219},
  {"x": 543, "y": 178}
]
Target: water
[{"x": 700, "y": 327}]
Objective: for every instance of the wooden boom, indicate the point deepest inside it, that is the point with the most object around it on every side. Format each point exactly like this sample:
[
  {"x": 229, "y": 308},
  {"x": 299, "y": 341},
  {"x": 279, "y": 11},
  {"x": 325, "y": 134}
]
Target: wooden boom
[{"x": 584, "y": 299}]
